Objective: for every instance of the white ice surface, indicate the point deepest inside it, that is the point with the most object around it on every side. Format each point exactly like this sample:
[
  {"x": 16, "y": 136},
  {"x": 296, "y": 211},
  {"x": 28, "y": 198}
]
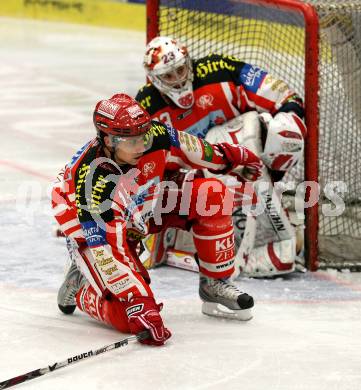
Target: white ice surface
[{"x": 306, "y": 330}]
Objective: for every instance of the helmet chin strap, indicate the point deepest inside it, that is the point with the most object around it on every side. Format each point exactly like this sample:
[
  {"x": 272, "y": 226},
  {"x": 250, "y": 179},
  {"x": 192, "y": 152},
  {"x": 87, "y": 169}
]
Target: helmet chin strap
[
  {"x": 110, "y": 150},
  {"x": 113, "y": 156}
]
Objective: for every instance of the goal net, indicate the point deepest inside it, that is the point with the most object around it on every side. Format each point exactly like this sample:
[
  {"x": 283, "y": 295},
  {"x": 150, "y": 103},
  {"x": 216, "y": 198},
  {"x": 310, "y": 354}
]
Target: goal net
[{"x": 315, "y": 46}]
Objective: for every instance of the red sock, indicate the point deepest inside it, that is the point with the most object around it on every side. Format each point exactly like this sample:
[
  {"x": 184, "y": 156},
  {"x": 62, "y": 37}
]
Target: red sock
[{"x": 110, "y": 310}]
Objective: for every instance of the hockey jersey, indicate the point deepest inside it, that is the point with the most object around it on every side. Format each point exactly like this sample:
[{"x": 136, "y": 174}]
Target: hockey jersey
[
  {"x": 99, "y": 203},
  {"x": 224, "y": 87}
]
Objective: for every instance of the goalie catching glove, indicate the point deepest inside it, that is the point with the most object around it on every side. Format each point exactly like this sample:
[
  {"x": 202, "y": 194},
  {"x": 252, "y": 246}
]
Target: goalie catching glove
[
  {"x": 285, "y": 140},
  {"x": 243, "y": 161},
  {"x": 143, "y": 314}
]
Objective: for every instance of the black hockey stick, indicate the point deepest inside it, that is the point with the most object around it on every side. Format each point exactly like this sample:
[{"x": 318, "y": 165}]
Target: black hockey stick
[{"x": 74, "y": 359}]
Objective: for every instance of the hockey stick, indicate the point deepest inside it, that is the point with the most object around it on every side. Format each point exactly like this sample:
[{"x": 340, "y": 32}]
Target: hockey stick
[{"x": 74, "y": 359}]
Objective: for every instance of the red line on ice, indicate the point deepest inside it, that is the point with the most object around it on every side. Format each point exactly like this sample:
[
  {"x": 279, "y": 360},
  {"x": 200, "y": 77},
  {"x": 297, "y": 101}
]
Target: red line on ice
[{"x": 24, "y": 169}]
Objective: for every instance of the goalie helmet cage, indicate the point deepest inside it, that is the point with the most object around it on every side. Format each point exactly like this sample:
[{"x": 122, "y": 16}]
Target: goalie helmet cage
[{"x": 314, "y": 45}]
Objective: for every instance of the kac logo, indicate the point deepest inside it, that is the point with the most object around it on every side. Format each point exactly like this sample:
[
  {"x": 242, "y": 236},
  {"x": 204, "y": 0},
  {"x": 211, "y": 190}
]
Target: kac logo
[
  {"x": 148, "y": 168},
  {"x": 205, "y": 101}
]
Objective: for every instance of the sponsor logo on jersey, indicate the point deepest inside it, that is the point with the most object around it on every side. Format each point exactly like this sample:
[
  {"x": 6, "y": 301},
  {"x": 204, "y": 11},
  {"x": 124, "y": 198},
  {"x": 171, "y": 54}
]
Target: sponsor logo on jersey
[
  {"x": 98, "y": 253},
  {"x": 226, "y": 265},
  {"x": 105, "y": 261},
  {"x": 94, "y": 235},
  {"x": 252, "y": 77},
  {"x": 208, "y": 151},
  {"x": 148, "y": 168},
  {"x": 157, "y": 130},
  {"x": 120, "y": 285},
  {"x": 184, "y": 114},
  {"x": 276, "y": 85},
  {"x": 109, "y": 270},
  {"x": 97, "y": 194},
  {"x": 134, "y": 235},
  {"x": 225, "y": 244},
  {"x": 146, "y": 102},
  {"x": 80, "y": 183},
  {"x": 225, "y": 249},
  {"x": 191, "y": 143},
  {"x": 205, "y": 101},
  {"x": 174, "y": 140},
  {"x": 104, "y": 265},
  {"x": 208, "y": 67},
  {"x": 94, "y": 201}
]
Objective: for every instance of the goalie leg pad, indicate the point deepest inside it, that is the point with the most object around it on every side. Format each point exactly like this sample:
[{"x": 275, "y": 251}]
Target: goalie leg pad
[
  {"x": 274, "y": 258},
  {"x": 260, "y": 250},
  {"x": 273, "y": 238}
]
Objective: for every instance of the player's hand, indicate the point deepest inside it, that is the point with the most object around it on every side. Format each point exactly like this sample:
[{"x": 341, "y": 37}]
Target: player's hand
[
  {"x": 244, "y": 162},
  {"x": 143, "y": 314}
]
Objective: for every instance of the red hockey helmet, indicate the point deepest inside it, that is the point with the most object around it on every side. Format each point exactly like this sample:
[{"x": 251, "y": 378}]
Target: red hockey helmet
[
  {"x": 122, "y": 116},
  {"x": 124, "y": 121}
]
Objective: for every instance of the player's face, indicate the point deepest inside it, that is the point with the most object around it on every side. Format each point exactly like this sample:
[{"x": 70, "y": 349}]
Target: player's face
[
  {"x": 126, "y": 157},
  {"x": 130, "y": 149},
  {"x": 175, "y": 78}
]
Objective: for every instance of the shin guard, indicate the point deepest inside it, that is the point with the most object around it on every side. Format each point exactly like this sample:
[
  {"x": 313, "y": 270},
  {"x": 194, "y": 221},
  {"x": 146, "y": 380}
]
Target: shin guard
[{"x": 108, "y": 310}]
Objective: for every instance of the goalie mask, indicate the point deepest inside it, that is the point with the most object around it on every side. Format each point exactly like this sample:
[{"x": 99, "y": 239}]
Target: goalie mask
[{"x": 169, "y": 68}]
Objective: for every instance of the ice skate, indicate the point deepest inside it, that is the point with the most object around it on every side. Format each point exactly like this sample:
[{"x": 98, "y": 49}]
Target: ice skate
[
  {"x": 223, "y": 299},
  {"x": 74, "y": 279}
]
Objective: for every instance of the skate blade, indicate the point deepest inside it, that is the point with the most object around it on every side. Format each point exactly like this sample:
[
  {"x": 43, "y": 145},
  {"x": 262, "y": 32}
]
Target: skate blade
[{"x": 217, "y": 310}]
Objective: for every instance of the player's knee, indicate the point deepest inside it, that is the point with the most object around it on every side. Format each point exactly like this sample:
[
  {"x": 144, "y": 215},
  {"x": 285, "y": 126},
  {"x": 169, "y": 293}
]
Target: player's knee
[
  {"x": 114, "y": 315},
  {"x": 109, "y": 310},
  {"x": 210, "y": 199}
]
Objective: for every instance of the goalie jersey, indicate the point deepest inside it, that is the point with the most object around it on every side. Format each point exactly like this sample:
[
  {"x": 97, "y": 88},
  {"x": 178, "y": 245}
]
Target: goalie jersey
[{"x": 224, "y": 87}]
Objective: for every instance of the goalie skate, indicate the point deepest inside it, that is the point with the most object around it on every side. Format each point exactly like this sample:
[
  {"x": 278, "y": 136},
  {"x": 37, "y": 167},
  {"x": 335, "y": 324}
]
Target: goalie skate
[{"x": 223, "y": 299}]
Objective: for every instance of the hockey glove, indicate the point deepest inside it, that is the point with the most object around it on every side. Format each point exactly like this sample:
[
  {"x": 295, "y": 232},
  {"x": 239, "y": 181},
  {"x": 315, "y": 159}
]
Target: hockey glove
[
  {"x": 143, "y": 313},
  {"x": 285, "y": 140},
  {"x": 242, "y": 160}
]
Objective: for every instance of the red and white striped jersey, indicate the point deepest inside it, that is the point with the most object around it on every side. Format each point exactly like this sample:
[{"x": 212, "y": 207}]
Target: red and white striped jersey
[{"x": 100, "y": 204}]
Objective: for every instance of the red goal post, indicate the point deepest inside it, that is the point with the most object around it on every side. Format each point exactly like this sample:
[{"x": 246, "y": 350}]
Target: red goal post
[{"x": 294, "y": 40}]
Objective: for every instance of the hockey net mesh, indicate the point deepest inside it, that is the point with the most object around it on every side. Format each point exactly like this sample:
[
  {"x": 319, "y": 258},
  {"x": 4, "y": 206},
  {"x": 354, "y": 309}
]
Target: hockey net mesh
[{"x": 274, "y": 39}]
